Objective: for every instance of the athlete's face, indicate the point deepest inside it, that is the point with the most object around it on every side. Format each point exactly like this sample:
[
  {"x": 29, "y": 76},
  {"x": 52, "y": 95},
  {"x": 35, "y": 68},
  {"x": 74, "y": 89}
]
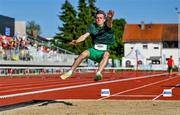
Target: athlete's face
[{"x": 100, "y": 19}]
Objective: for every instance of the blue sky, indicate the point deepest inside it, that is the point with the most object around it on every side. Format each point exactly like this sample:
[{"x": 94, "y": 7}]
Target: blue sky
[{"x": 45, "y": 12}]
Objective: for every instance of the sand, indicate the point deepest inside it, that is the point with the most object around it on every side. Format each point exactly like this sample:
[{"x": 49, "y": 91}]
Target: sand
[{"x": 93, "y": 107}]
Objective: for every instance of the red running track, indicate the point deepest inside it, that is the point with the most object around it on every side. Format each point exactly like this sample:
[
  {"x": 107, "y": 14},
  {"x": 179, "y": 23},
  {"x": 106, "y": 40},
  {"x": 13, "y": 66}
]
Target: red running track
[{"x": 122, "y": 85}]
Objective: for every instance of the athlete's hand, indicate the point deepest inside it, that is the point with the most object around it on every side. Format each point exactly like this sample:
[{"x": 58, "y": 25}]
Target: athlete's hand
[
  {"x": 110, "y": 14},
  {"x": 73, "y": 42}
]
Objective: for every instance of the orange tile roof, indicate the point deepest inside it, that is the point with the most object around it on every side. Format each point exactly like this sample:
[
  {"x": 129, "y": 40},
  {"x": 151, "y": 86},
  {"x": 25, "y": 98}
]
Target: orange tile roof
[{"x": 150, "y": 33}]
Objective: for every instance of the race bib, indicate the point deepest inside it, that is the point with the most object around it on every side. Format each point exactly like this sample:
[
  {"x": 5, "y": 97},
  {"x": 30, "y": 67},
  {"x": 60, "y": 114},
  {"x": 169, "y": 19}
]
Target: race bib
[{"x": 102, "y": 47}]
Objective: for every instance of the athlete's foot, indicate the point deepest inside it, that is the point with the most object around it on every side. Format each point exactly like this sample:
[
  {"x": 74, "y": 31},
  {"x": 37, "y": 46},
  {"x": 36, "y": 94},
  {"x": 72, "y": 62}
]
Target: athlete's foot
[
  {"x": 98, "y": 76},
  {"x": 66, "y": 75}
]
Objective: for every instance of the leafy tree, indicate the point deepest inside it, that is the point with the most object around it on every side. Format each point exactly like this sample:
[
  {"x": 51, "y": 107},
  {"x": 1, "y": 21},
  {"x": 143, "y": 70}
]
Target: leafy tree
[
  {"x": 117, "y": 50},
  {"x": 92, "y": 8},
  {"x": 74, "y": 25},
  {"x": 68, "y": 30},
  {"x": 84, "y": 20},
  {"x": 33, "y": 28},
  {"x": 86, "y": 15}
]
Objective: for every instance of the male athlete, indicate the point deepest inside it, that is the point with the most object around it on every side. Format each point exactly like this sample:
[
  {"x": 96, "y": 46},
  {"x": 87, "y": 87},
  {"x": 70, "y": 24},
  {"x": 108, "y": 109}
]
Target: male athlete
[{"x": 102, "y": 36}]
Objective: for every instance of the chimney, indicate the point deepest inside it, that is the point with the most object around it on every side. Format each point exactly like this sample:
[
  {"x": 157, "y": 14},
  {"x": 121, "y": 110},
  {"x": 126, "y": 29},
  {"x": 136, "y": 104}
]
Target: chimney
[{"x": 142, "y": 25}]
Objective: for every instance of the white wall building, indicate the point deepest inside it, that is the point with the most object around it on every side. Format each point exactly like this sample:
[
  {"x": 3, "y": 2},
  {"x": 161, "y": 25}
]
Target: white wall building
[
  {"x": 20, "y": 28},
  {"x": 154, "y": 42}
]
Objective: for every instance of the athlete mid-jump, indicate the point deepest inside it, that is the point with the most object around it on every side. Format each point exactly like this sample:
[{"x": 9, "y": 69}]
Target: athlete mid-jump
[{"x": 102, "y": 36}]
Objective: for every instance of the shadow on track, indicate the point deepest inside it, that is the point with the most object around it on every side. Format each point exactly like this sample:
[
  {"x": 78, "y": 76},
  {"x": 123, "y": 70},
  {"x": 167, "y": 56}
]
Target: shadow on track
[{"x": 33, "y": 102}]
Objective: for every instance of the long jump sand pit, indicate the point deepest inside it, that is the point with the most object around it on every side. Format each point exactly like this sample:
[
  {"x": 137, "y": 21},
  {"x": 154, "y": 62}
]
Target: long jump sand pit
[{"x": 93, "y": 107}]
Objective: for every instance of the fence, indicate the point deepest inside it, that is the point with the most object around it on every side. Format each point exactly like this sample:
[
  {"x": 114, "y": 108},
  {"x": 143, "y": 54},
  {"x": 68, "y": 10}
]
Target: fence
[{"x": 26, "y": 71}]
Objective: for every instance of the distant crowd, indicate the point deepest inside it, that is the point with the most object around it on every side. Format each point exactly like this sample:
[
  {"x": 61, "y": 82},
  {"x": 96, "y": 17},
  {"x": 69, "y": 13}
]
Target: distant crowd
[{"x": 21, "y": 48}]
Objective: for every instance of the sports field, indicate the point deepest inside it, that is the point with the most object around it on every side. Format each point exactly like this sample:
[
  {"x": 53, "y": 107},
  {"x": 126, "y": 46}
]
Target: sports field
[{"x": 80, "y": 95}]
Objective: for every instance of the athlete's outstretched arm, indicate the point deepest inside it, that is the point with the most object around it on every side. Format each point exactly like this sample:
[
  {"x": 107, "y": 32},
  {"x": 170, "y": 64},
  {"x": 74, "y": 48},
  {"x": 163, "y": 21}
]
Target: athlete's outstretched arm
[
  {"x": 109, "y": 18},
  {"x": 80, "y": 39}
]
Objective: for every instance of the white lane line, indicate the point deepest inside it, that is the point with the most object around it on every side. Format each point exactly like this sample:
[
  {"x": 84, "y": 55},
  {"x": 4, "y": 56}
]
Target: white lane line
[
  {"x": 31, "y": 82},
  {"x": 56, "y": 85},
  {"x": 76, "y": 86},
  {"x": 47, "y": 85},
  {"x": 41, "y": 85},
  {"x": 24, "y": 82},
  {"x": 158, "y": 96},
  {"x": 134, "y": 95},
  {"x": 125, "y": 91},
  {"x": 27, "y": 83}
]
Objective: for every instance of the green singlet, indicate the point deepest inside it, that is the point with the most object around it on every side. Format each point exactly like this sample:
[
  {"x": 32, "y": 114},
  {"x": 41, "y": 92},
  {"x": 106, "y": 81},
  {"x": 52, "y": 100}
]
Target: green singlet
[{"x": 100, "y": 35}]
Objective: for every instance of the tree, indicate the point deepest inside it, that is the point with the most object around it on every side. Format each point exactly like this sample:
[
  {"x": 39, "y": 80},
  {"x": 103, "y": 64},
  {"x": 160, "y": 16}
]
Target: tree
[
  {"x": 84, "y": 20},
  {"x": 74, "y": 25},
  {"x": 92, "y": 8},
  {"x": 33, "y": 29},
  {"x": 68, "y": 30},
  {"x": 117, "y": 50}
]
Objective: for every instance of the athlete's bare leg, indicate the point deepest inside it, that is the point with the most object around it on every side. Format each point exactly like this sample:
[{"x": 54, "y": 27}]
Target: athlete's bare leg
[{"x": 76, "y": 63}]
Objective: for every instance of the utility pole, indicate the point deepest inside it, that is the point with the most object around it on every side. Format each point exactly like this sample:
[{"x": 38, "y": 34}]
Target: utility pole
[{"x": 178, "y": 14}]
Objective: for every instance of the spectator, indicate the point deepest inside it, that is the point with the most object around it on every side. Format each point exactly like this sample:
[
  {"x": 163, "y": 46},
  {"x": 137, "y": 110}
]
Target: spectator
[{"x": 170, "y": 64}]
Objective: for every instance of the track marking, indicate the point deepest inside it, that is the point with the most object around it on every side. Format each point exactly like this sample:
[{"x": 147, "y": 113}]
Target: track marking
[
  {"x": 76, "y": 86},
  {"x": 135, "y": 88},
  {"x": 57, "y": 85},
  {"x": 31, "y": 82},
  {"x": 162, "y": 92},
  {"x": 24, "y": 82},
  {"x": 134, "y": 95}
]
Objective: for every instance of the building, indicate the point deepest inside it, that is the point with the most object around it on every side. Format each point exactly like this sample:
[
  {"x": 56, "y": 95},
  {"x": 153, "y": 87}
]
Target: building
[
  {"x": 154, "y": 42},
  {"x": 20, "y": 28},
  {"x": 7, "y": 25}
]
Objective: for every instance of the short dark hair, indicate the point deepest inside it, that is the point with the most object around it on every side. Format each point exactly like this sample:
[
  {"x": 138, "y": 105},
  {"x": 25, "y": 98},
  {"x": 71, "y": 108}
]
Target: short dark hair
[{"x": 101, "y": 12}]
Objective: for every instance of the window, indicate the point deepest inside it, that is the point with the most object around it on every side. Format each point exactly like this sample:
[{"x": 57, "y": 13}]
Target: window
[
  {"x": 170, "y": 44},
  {"x": 145, "y": 46},
  {"x": 128, "y": 63},
  {"x": 156, "y": 47},
  {"x": 140, "y": 62},
  {"x": 7, "y": 31},
  {"x": 157, "y": 62}
]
